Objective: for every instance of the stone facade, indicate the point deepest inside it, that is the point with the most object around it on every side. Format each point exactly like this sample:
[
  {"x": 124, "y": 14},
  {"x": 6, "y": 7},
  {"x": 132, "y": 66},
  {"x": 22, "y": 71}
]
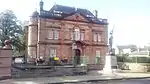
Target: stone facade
[
  {"x": 41, "y": 37},
  {"x": 5, "y": 63}
]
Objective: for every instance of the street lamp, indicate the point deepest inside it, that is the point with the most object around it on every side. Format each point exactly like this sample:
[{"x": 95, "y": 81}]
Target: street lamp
[{"x": 74, "y": 47}]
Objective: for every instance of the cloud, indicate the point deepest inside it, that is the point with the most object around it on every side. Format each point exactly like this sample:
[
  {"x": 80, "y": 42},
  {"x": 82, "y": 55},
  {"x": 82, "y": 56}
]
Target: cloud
[{"x": 133, "y": 29}]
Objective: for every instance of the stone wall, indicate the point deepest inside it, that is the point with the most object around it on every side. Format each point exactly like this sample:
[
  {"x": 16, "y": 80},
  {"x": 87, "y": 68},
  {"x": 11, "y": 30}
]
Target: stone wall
[
  {"x": 49, "y": 71},
  {"x": 5, "y": 63}
]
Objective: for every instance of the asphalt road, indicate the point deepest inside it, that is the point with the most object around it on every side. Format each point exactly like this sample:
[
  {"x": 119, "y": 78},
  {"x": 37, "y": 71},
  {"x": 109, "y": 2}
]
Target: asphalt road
[{"x": 133, "y": 81}]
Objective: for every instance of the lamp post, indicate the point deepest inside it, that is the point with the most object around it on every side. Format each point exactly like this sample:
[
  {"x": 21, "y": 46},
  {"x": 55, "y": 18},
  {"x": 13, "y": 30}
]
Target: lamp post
[
  {"x": 74, "y": 47},
  {"x": 84, "y": 57}
]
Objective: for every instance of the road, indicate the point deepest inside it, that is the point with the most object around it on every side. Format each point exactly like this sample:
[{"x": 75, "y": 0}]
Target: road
[{"x": 133, "y": 81}]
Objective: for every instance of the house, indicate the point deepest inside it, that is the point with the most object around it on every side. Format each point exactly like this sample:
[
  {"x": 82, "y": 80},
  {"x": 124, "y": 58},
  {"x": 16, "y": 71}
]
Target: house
[
  {"x": 66, "y": 32},
  {"x": 126, "y": 49},
  {"x": 139, "y": 54}
]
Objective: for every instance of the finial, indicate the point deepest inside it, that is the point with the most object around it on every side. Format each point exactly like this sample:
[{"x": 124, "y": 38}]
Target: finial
[{"x": 7, "y": 44}]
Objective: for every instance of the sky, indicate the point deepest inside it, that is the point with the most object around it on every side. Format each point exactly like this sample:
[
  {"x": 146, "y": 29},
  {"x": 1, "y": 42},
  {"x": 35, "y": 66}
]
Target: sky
[{"x": 130, "y": 18}]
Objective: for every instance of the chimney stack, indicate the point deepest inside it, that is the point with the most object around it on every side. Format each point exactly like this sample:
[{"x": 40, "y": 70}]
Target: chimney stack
[
  {"x": 96, "y": 13},
  {"x": 41, "y": 5}
]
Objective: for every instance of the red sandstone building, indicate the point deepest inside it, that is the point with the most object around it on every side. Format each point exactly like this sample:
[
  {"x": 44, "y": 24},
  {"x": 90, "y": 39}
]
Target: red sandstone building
[{"x": 65, "y": 32}]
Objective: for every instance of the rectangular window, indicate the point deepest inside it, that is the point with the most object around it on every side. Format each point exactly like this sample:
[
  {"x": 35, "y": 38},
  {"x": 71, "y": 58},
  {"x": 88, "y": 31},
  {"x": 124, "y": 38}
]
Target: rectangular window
[
  {"x": 72, "y": 35},
  {"x": 95, "y": 37},
  {"x": 50, "y": 34},
  {"x": 52, "y": 52},
  {"x": 56, "y": 34},
  {"x": 99, "y": 38},
  {"x": 77, "y": 34},
  {"x": 97, "y": 58},
  {"x": 53, "y": 34},
  {"x": 82, "y": 36},
  {"x": 98, "y": 53}
]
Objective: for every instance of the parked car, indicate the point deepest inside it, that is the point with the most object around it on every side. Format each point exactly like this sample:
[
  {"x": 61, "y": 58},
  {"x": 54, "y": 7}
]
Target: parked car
[{"x": 19, "y": 60}]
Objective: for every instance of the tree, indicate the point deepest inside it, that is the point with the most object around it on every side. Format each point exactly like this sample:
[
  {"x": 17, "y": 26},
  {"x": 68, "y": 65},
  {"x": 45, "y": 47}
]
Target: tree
[{"x": 11, "y": 28}]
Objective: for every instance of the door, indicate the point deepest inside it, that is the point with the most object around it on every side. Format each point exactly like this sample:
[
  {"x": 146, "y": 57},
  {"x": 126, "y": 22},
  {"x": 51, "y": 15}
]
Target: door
[{"x": 78, "y": 53}]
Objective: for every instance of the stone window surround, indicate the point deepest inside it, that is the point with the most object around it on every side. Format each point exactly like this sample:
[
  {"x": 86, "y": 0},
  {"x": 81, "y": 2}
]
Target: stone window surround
[
  {"x": 53, "y": 52},
  {"x": 98, "y": 37},
  {"x": 81, "y": 31},
  {"x": 54, "y": 31}
]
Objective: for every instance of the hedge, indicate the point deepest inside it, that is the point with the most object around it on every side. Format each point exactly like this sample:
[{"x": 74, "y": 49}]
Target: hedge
[{"x": 133, "y": 59}]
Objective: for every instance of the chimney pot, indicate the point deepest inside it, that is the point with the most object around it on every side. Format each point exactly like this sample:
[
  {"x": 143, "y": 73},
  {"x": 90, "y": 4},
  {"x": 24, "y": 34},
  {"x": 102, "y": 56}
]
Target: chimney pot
[{"x": 96, "y": 13}]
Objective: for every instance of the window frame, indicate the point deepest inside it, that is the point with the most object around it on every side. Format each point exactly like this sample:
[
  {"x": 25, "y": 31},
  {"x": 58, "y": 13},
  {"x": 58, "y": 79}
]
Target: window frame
[
  {"x": 97, "y": 37},
  {"x": 54, "y": 32},
  {"x": 49, "y": 33},
  {"x": 77, "y": 35},
  {"x": 54, "y": 53}
]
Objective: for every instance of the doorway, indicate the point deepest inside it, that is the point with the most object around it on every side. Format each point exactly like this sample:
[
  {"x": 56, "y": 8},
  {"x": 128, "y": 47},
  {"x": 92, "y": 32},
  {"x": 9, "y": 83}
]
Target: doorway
[{"x": 77, "y": 54}]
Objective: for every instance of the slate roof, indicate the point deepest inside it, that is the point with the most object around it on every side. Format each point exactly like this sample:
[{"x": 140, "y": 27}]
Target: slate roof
[{"x": 60, "y": 12}]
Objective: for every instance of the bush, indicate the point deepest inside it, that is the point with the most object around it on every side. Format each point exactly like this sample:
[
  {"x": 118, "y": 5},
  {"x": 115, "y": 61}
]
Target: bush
[{"x": 119, "y": 59}]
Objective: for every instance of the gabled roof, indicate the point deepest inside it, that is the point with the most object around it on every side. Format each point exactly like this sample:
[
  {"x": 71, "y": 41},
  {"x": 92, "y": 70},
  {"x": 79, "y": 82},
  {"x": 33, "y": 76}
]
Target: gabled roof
[
  {"x": 60, "y": 12},
  {"x": 76, "y": 17}
]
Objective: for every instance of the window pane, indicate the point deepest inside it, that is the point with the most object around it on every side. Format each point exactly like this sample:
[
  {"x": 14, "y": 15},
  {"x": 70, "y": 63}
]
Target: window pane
[
  {"x": 82, "y": 36},
  {"x": 56, "y": 34},
  {"x": 78, "y": 37},
  {"x": 95, "y": 37},
  {"x": 77, "y": 34},
  {"x": 99, "y": 38},
  {"x": 97, "y": 53},
  {"x": 72, "y": 35},
  {"x": 50, "y": 34},
  {"x": 52, "y": 52}
]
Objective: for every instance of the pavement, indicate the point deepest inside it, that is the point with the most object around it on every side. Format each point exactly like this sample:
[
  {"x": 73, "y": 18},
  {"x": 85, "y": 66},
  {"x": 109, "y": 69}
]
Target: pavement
[
  {"x": 77, "y": 79},
  {"x": 132, "y": 81}
]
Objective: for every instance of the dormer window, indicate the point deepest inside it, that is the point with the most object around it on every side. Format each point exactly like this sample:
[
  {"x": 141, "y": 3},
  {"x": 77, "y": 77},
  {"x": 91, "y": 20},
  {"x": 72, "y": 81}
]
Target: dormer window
[
  {"x": 90, "y": 16},
  {"x": 58, "y": 12},
  {"x": 57, "y": 15}
]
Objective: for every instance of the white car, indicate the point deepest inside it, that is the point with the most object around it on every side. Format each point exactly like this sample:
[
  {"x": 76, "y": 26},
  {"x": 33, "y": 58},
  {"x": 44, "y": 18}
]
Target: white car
[{"x": 19, "y": 60}]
